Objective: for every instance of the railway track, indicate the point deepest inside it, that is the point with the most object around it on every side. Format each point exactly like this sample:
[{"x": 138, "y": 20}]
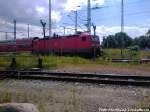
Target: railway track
[{"x": 78, "y": 77}]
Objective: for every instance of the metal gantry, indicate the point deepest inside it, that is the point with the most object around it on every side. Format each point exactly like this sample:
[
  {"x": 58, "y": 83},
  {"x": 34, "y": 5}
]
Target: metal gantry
[
  {"x": 28, "y": 31},
  {"x": 50, "y": 17},
  {"x": 122, "y": 26},
  {"x": 122, "y": 15},
  {"x": 89, "y": 16},
  {"x": 76, "y": 22}
]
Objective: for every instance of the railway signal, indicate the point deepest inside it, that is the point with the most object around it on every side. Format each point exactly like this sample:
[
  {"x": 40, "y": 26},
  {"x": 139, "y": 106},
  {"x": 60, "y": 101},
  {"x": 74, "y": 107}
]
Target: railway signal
[
  {"x": 43, "y": 25},
  {"x": 94, "y": 28}
]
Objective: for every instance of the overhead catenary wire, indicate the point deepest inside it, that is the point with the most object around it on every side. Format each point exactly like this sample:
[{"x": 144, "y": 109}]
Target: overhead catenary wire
[{"x": 77, "y": 24}]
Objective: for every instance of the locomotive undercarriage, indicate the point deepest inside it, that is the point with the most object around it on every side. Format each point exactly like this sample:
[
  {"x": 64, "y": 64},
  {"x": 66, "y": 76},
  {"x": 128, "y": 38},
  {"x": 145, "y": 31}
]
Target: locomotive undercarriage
[{"x": 87, "y": 53}]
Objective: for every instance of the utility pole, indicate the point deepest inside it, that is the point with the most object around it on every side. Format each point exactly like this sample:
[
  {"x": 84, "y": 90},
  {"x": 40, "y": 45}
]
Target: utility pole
[
  {"x": 89, "y": 16},
  {"x": 94, "y": 28},
  {"x": 64, "y": 30},
  {"x": 15, "y": 30},
  {"x": 6, "y": 36},
  {"x": 76, "y": 22},
  {"x": 15, "y": 35},
  {"x": 28, "y": 31},
  {"x": 50, "y": 19},
  {"x": 122, "y": 26}
]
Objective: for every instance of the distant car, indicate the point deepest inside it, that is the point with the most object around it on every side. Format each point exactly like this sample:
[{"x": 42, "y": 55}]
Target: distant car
[{"x": 133, "y": 48}]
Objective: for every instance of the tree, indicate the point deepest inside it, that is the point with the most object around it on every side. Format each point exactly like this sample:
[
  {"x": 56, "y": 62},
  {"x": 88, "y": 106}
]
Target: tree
[
  {"x": 148, "y": 32},
  {"x": 144, "y": 42},
  {"x": 119, "y": 40},
  {"x": 122, "y": 40}
]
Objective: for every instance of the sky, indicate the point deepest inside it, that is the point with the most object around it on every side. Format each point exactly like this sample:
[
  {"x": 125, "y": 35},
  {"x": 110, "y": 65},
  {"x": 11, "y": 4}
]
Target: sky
[{"x": 107, "y": 18}]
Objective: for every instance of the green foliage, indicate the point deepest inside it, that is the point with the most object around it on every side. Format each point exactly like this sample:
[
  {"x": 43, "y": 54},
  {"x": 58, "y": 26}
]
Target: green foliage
[
  {"x": 122, "y": 40},
  {"x": 49, "y": 61},
  {"x": 41, "y": 107},
  {"x": 5, "y": 97},
  {"x": 144, "y": 42},
  {"x": 113, "y": 53},
  {"x": 28, "y": 61},
  {"x": 145, "y": 104},
  {"x": 148, "y": 32},
  {"x": 119, "y": 40},
  {"x": 128, "y": 54}
]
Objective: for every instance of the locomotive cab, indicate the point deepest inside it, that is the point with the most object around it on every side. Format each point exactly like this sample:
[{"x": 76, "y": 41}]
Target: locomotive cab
[{"x": 95, "y": 45}]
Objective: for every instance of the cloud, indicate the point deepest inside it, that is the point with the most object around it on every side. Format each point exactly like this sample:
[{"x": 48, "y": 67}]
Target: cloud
[
  {"x": 133, "y": 31},
  {"x": 21, "y": 10},
  {"x": 40, "y": 9},
  {"x": 73, "y": 4},
  {"x": 25, "y": 11},
  {"x": 56, "y": 16}
]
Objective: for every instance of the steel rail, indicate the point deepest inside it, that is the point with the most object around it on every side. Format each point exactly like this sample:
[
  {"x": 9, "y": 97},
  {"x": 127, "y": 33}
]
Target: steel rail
[
  {"x": 90, "y": 75},
  {"x": 79, "y": 77}
]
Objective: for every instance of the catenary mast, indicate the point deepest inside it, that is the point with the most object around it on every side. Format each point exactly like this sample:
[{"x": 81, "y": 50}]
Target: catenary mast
[{"x": 89, "y": 16}]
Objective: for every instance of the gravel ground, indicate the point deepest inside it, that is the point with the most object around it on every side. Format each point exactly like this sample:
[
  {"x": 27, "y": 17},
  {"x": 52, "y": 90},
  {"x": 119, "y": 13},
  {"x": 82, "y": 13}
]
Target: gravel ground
[
  {"x": 107, "y": 70},
  {"x": 52, "y": 96}
]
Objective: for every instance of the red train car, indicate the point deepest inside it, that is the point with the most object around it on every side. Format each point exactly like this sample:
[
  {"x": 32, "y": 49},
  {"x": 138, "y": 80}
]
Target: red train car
[
  {"x": 24, "y": 45},
  {"x": 80, "y": 44},
  {"x": 7, "y": 46},
  {"x": 20, "y": 45}
]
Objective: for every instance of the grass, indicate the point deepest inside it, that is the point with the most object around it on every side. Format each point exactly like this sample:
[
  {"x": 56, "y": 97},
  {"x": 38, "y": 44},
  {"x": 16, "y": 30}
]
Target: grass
[
  {"x": 145, "y": 104},
  {"x": 116, "y": 53},
  {"x": 5, "y": 97},
  {"x": 27, "y": 61},
  {"x": 31, "y": 61}
]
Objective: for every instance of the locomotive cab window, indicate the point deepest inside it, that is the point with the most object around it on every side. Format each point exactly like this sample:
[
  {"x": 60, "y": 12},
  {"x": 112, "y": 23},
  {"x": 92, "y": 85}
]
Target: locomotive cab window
[
  {"x": 84, "y": 38},
  {"x": 95, "y": 39}
]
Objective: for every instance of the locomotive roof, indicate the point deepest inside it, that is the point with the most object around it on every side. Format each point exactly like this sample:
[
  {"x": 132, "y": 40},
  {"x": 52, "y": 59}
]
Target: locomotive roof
[
  {"x": 12, "y": 41},
  {"x": 6, "y": 41},
  {"x": 64, "y": 36}
]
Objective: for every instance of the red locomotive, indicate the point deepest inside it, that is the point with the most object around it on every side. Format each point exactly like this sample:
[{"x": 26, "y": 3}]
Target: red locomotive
[{"x": 78, "y": 44}]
